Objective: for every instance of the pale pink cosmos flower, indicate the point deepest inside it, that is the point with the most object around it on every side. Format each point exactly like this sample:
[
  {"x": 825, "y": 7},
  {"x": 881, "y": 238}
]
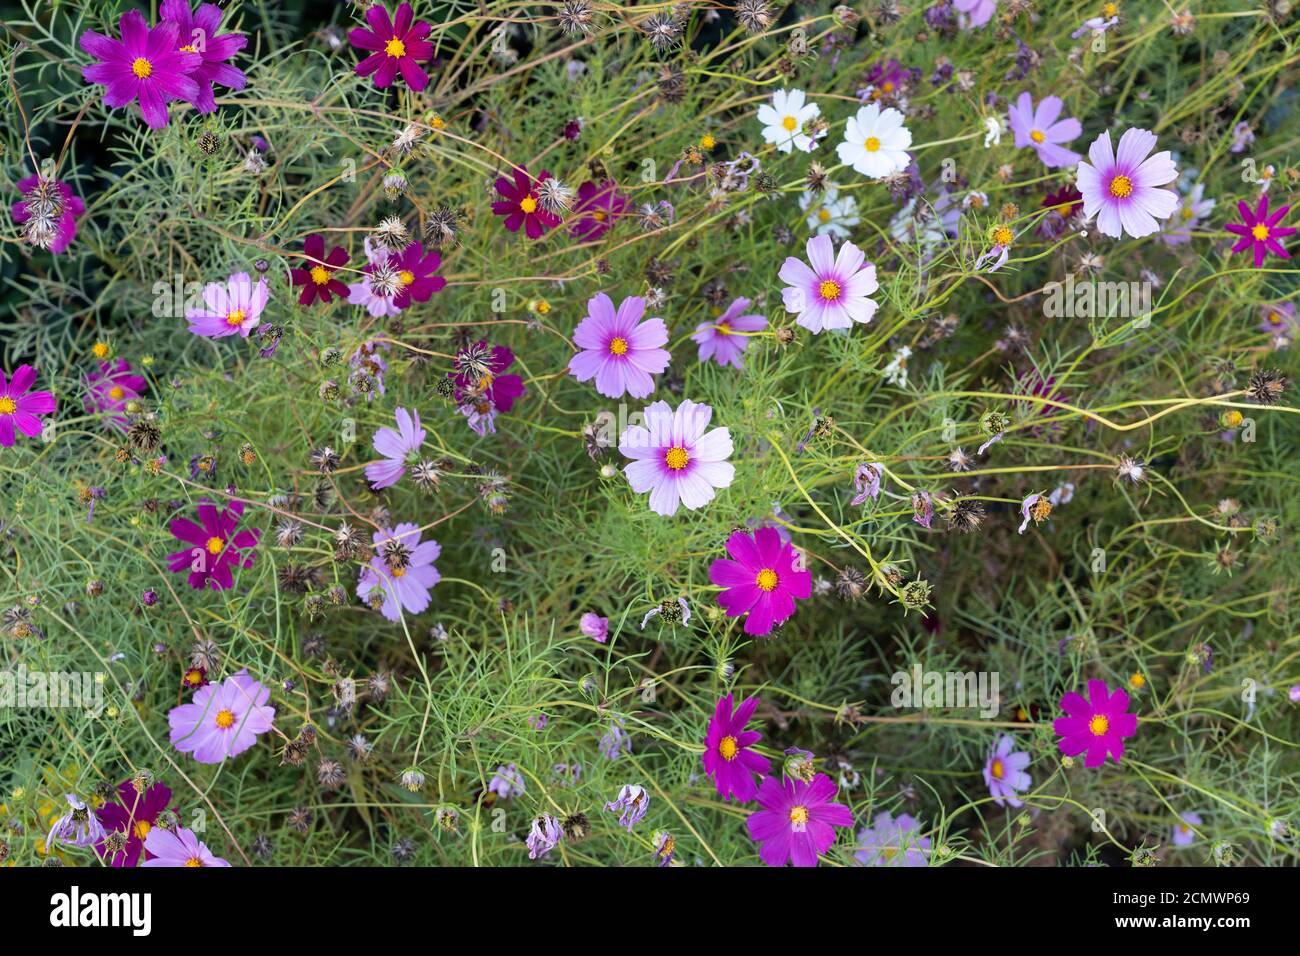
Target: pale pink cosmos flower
[
  {"x": 1122, "y": 188},
  {"x": 676, "y": 458},
  {"x": 232, "y": 307},
  {"x": 222, "y": 720},
  {"x": 1042, "y": 129},
  {"x": 619, "y": 351},
  {"x": 833, "y": 292}
]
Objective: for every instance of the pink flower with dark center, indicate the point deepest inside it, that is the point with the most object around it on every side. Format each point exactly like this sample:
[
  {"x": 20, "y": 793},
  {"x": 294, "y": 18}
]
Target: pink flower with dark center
[
  {"x": 619, "y": 350},
  {"x": 725, "y": 338},
  {"x": 145, "y": 65},
  {"x": 198, "y": 33},
  {"x": 797, "y": 822},
  {"x": 396, "y": 45},
  {"x": 1121, "y": 188},
  {"x": 1042, "y": 129},
  {"x": 520, "y": 205},
  {"x": 19, "y": 407},
  {"x": 216, "y": 547},
  {"x": 1097, "y": 725},
  {"x": 596, "y": 210},
  {"x": 109, "y": 389},
  {"x": 1260, "y": 231},
  {"x": 727, "y": 756},
  {"x": 763, "y": 579},
  {"x": 221, "y": 720}
]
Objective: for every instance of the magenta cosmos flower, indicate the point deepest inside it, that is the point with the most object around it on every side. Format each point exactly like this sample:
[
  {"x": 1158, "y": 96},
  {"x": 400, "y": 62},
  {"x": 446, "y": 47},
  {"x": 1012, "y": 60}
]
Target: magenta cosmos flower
[
  {"x": 401, "y": 572},
  {"x": 317, "y": 279},
  {"x": 145, "y": 65},
  {"x": 675, "y": 458},
  {"x": 1260, "y": 230},
  {"x": 619, "y": 350},
  {"x": 1097, "y": 725},
  {"x": 178, "y": 848},
  {"x": 797, "y": 821},
  {"x": 482, "y": 392},
  {"x": 19, "y": 407},
  {"x": 832, "y": 294},
  {"x": 109, "y": 389},
  {"x": 1043, "y": 130},
  {"x": 221, "y": 720},
  {"x": 396, "y": 45},
  {"x": 48, "y": 211},
  {"x": 520, "y": 205},
  {"x": 1121, "y": 188},
  {"x": 199, "y": 33},
  {"x": 596, "y": 210},
  {"x": 134, "y": 815},
  {"x": 416, "y": 274},
  {"x": 216, "y": 547},
  {"x": 399, "y": 448},
  {"x": 762, "y": 581},
  {"x": 725, "y": 338},
  {"x": 233, "y": 307},
  {"x": 727, "y": 757}
]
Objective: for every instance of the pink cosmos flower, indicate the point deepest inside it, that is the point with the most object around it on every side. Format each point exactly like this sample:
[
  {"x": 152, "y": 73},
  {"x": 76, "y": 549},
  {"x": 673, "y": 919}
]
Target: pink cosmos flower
[
  {"x": 1192, "y": 209},
  {"x": 221, "y": 721},
  {"x": 198, "y": 33},
  {"x": 893, "y": 841},
  {"x": 145, "y": 65},
  {"x": 399, "y": 448},
  {"x": 1121, "y": 188},
  {"x": 401, "y": 572},
  {"x": 395, "y": 45},
  {"x": 762, "y": 581},
  {"x": 718, "y": 339},
  {"x": 979, "y": 11},
  {"x": 596, "y": 210},
  {"x": 619, "y": 350},
  {"x": 109, "y": 389},
  {"x": 1004, "y": 772},
  {"x": 727, "y": 757},
  {"x": 1041, "y": 129},
  {"x": 233, "y": 307},
  {"x": 675, "y": 459},
  {"x": 1260, "y": 231},
  {"x": 216, "y": 547},
  {"x": 377, "y": 301},
  {"x": 181, "y": 848},
  {"x": 1097, "y": 725},
  {"x": 135, "y": 815},
  {"x": 797, "y": 821},
  {"x": 595, "y": 627},
  {"x": 20, "y": 407},
  {"x": 1184, "y": 834},
  {"x": 832, "y": 294},
  {"x": 520, "y": 206},
  {"x": 49, "y": 210},
  {"x": 416, "y": 274}
]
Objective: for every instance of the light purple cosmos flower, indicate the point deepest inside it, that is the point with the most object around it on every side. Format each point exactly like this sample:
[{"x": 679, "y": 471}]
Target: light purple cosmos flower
[
  {"x": 631, "y": 805},
  {"x": 401, "y": 572},
  {"x": 543, "y": 836},
  {"x": 1041, "y": 129},
  {"x": 615, "y": 742},
  {"x": 198, "y": 33},
  {"x": 725, "y": 338},
  {"x": 1278, "y": 318},
  {"x": 1242, "y": 136},
  {"x": 727, "y": 757},
  {"x": 215, "y": 547},
  {"x": 178, "y": 848},
  {"x": 1193, "y": 208},
  {"x": 1183, "y": 834},
  {"x": 507, "y": 782},
  {"x": 977, "y": 12},
  {"x": 893, "y": 842},
  {"x": 1034, "y": 508},
  {"x": 399, "y": 448},
  {"x": 368, "y": 293},
  {"x": 1094, "y": 25},
  {"x": 109, "y": 389},
  {"x": 619, "y": 350},
  {"x": 145, "y": 65},
  {"x": 762, "y": 581},
  {"x": 675, "y": 458},
  {"x": 19, "y": 407},
  {"x": 922, "y": 508},
  {"x": 234, "y": 306},
  {"x": 798, "y": 820},
  {"x": 832, "y": 294},
  {"x": 1121, "y": 188},
  {"x": 48, "y": 211},
  {"x": 1097, "y": 725},
  {"x": 866, "y": 482},
  {"x": 1004, "y": 772},
  {"x": 595, "y": 627},
  {"x": 221, "y": 720},
  {"x": 79, "y": 826}
]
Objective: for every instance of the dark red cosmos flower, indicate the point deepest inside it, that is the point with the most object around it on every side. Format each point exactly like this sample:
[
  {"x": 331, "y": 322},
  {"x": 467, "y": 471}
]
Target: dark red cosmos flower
[
  {"x": 396, "y": 45},
  {"x": 597, "y": 209},
  {"x": 1069, "y": 199},
  {"x": 415, "y": 268},
  {"x": 318, "y": 280},
  {"x": 194, "y": 678},
  {"x": 520, "y": 205},
  {"x": 135, "y": 815}
]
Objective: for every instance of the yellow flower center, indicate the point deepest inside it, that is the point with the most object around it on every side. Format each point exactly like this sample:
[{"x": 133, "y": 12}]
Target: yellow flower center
[
  {"x": 790, "y": 123},
  {"x": 766, "y": 579},
  {"x": 1260, "y": 232},
  {"x": 1002, "y": 236},
  {"x": 7, "y": 405},
  {"x": 193, "y": 861},
  {"x": 100, "y": 349},
  {"x": 320, "y": 275},
  {"x": 406, "y": 276},
  {"x": 799, "y": 816},
  {"x": 142, "y": 828},
  {"x": 887, "y": 86},
  {"x": 395, "y": 47},
  {"x": 188, "y": 48},
  {"x": 824, "y": 214},
  {"x": 598, "y": 215},
  {"x": 1099, "y": 724},
  {"x": 727, "y": 748},
  {"x": 116, "y": 393},
  {"x": 707, "y": 141},
  {"x": 997, "y": 769},
  {"x": 618, "y": 346},
  {"x": 829, "y": 290},
  {"x": 1037, "y": 135},
  {"x": 677, "y": 458},
  {"x": 1187, "y": 213},
  {"x": 225, "y": 719},
  {"x": 397, "y": 572},
  {"x": 236, "y": 317},
  {"x": 1121, "y": 187},
  {"x": 723, "y": 328},
  {"x": 528, "y": 204},
  {"x": 215, "y": 545},
  {"x": 872, "y": 144},
  {"x": 141, "y": 67},
  {"x": 1275, "y": 318},
  {"x": 1109, "y": 9}
]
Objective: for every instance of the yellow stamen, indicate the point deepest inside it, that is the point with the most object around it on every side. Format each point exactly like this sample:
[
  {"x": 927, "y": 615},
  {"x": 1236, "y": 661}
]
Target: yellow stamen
[
  {"x": 799, "y": 816},
  {"x": 1099, "y": 724},
  {"x": 872, "y": 144},
  {"x": 142, "y": 828},
  {"x": 320, "y": 275},
  {"x": 824, "y": 214},
  {"x": 790, "y": 123},
  {"x": 528, "y": 204},
  {"x": 829, "y": 290},
  {"x": 766, "y": 579},
  {"x": 618, "y": 346},
  {"x": 1260, "y": 232},
  {"x": 1121, "y": 187},
  {"x": 236, "y": 317},
  {"x": 997, "y": 770},
  {"x": 193, "y": 862},
  {"x": 116, "y": 393},
  {"x": 1037, "y": 136},
  {"x": 1001, "y": 236},
  {"x": 395, "y": 47},
  {"x": 215, "y": 545},
  {"x": 727, "y": 748},
  {"x": 141, "y": 67},
  {"x": 406, "y": 276},
  {"x": 225, "y": 719},
  {"x": 676, "y": 458}
]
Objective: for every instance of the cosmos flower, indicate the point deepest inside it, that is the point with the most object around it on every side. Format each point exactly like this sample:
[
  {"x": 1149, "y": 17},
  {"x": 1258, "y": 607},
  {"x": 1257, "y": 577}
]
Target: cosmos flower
[
  {"x": 893, "y": 841},
  {"x": 19, "y": 407},
  {"x": 484, "y": 390},
  {"x": 1034, "y": 508},
  {"x": 598, "y": 207},
  {"x": 619, "y": 350},
  {"x": 318, "y": 279},
  {"x": 798, "y": 820},
  {"x": 875, "y": 142},
  {"x": 520, "y": 205},
  {"x": 675, "y": 458},
  {"x": 134, "y": 815},
  {"x": 724, "y": 339},
  {"x": 178, "y": 848},
  {"x": 1278, "y": 318},
  {"x": 595, "y": 627},
  {"x": 1183, "y": 834},
  {"x": 78, "y": 826},
  {"x": 1260, "y": 231},
  {"x": 371, "y": 293},
  {"x": 866, "y": 482},
  {"x": 415, "y": 275},
  {"x": 1097, "y": 725},
  {"x": 543, "y": 836},
  {"x": 216, "y": 547},
  {"x": 48, "y": 211},
  {"x": 198, "y": 31},
  {"x": 233, "y": 307},
  {"x": 976, "y": 12},
  {"x": 221, "y": 720},
  {"x": 784, "y": 120},
  {"x": 829, "y": 213},
  {"x": 1121, "y": 188},
  {"x": 507, "y": 782},
  {"x": 1004, "y": 772},
  {"x": 1042, "y": 129},
  {"x": 631, "y": 805},
  {"x": 109, "y": 390},
  {"x": 396, "y": 45},
  {"x": 727, "y": 756},
  {"x": 148, "y": 65},
  {"x": 762, "y": 581},
  {"x": 1193, "y": 209},
  {"x": 401, "y": 571},
  {"x": 833, "y": 292},
  {"x": 399, "y": 448}
]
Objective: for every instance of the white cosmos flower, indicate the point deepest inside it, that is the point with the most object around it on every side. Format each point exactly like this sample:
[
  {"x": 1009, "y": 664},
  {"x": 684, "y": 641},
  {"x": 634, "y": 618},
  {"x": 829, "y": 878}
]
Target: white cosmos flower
[
  {"x": 875, "y": 142},
  {"x": 783, "y": 121},
  {"x": 829, "y": 213}
]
